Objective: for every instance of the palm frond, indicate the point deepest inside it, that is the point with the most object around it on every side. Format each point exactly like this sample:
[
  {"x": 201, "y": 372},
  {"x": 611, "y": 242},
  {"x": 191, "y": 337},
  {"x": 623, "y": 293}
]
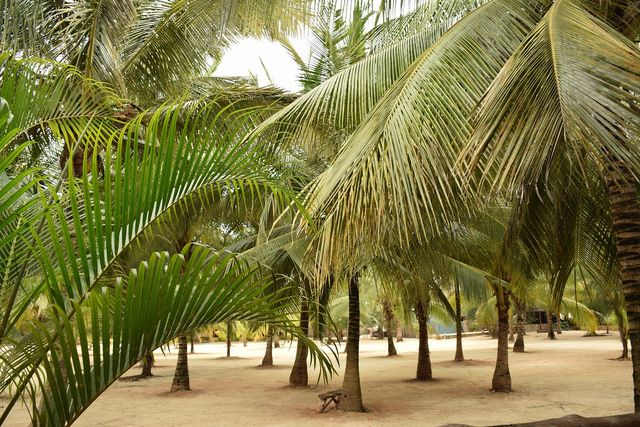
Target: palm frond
[
  {"x": 163, "y": 298},
  {"x": 556, "y": 97},
  {"x": 340, "y": 103},
  {"x": 395, "y": 172},
  {"x": 173, "y": 39}
]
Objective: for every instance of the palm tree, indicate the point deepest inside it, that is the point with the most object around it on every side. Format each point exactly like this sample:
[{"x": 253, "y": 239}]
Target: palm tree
[
  {"x": 299, "y": 376},
  {"x": 423, "y": 371},
  {"x": 351, "y": 397},
  {"x": 82, "y": 231},
  {"x": 459, "y": 357},
  {"x": 389, "y": 324},
  {"x": 506, "y": 49},
  {"x": 181, "y": 375}
]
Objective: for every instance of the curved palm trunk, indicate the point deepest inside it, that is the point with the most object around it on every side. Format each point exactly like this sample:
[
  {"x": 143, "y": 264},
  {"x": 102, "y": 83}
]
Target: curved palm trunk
[
  {"x": 229, "y": 331},
  {"x": 625, "y": 213},
  {"x": 399, "y": 337},
  {"x": 501, "y": 375},
  {"x": 351, "y": 397},
  {"x": 267, "y": 360},
  {"x": 388, "y": 315},
  {"x": 181, "y": 376},
  {"x": 423, "y": 372},
  {"x": 299, "y": 376},
  {"x": 459, "y": 357},
  {"x": 193, "y": 346},
  {"x": 518, "y": 345},
  {"x": 558, "y": 324},
  {"x": 550, "y": 334}
]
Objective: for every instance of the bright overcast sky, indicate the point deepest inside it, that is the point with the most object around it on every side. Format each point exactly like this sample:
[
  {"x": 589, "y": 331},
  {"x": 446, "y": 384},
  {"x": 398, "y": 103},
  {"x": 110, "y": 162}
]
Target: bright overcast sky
[{"x": 243, "y": 59}]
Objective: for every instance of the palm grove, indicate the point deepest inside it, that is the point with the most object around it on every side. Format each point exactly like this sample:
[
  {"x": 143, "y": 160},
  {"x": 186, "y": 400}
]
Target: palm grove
[{"x": 437, "y": 146}]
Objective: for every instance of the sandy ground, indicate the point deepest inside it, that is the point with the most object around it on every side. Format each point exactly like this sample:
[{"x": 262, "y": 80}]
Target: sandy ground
[{"x": 573, "y": 375}]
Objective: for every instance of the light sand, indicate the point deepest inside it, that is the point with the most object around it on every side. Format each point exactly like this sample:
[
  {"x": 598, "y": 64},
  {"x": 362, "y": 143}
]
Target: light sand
[{"x": 572, "y": 375}]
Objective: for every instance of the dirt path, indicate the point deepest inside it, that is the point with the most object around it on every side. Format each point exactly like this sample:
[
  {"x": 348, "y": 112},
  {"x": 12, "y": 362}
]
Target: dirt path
[{"x": 573, "y": 375}]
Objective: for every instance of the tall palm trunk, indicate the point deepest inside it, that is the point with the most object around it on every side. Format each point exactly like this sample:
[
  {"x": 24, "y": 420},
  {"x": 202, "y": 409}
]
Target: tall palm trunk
[
  {"x": 501, "y": 375},
  {"x": 399, "y": 337},
  {"x": 181, "y": 376},
  {"x": 388, "y": 315},
  {"x": 351, "y": 398},
  {"x": 459, "y": 355},
  {"x": 558, "y": 324},
  {"x": 625, "y": 212},
  {"x": 299, "y": 376},
  {"x": 229, "y": 332},
  {"x": 193, "y": 346},
  {"x": 423, "y": 372},
  {"x": 267, "y": 360},
  {"x": 521, "y": 311},
  {"x": 550, "y": 334}
]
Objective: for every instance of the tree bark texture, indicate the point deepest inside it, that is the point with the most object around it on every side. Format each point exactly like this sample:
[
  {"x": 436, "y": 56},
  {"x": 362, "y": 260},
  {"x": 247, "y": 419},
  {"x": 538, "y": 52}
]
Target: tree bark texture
[
  {"x": 181, "y": 376},
  {"x": 388, "y": 316},
  {"x": 459, "y": 357},
  {"x": 550, "y": 334},
  {"x": 267, "y": 360},
  {"x": 521, "y": 312},
  {"x": 147, "y": 364},
  {"x": 501, "y": 375},
  {"x": 625, "y": 345},
  {"x": 423, "y": 372},
  {"x": 299, "y": 376},
  {"x": 625, "y": 213},
  {"x": 351, "y": 397}
]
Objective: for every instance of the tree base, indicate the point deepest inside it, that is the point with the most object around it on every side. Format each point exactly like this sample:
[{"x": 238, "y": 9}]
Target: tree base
[
  {"x": 350, "y": 405},
  {"x": 135, "y": 377},
  {"x": 175, "y": 388}
]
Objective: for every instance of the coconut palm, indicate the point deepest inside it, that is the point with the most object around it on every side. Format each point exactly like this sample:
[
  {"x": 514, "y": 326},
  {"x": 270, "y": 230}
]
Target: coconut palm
[
  {"x": 600, "y": 139},
  {"x": 405, "y": 133}
]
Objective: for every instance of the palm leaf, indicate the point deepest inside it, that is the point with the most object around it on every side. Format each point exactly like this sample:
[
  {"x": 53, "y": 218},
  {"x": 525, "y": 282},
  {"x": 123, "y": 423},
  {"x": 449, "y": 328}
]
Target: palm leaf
[
  {"x": 163, "y": 298},
  {"x": 340, "y": 103},
  {"x": 557, "y": 97},
  {"x": 94, "y": 222},
  {"x": 394, "y": 172}
]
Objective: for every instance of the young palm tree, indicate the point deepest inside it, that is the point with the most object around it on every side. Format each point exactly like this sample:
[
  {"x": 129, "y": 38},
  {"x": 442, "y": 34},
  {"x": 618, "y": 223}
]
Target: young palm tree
[{"x": 70, "y": 240}]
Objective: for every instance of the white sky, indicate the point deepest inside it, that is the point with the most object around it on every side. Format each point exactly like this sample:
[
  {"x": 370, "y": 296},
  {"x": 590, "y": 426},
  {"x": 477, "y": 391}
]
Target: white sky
[{"x": 243, "y": 59}]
